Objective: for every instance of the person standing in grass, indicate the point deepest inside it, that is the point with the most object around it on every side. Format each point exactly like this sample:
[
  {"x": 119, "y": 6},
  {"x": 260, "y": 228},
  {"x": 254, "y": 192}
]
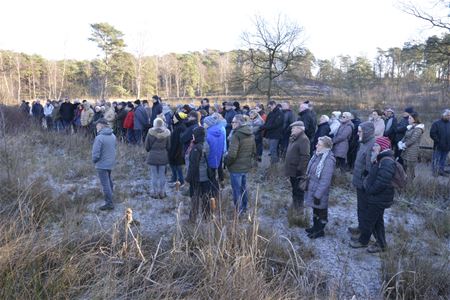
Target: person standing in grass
[
  {"x": 380, "y": 195},
  {"x": 176, "y": 152},
  {"x": 319, "y": 173},
  {"x": 104, "y": 158},
  {"x": 410, "y": 145},
  {"x": 157, "y": 144},
  {"x": 341, "y": 140},
  {"x": 440, "y": 134}
]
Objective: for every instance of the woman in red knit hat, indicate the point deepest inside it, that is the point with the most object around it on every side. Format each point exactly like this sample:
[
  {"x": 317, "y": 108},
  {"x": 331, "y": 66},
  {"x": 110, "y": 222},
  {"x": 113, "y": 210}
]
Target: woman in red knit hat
[{"x": 380, "y": 192}]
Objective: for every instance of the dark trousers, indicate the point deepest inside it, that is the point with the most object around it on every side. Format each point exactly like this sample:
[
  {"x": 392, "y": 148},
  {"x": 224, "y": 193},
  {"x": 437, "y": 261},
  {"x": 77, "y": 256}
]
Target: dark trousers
[
  {"x": 177, "y": 173},
  {"x": 321, "y": 214},
  {"x": 131, "y": 139},
  {"x": 107, "y": 185},
  {"x": 214, "y": 183},
  {"x": 341, "y": 164},
  {"x": 220, "y": 170},
  {"x": 200, "y": 193},
  {"x": 361, "y": 199},
  {"x": 259, "y": 147},
  {"x": 373, "y": 223},
  {"x": 297, "y": 193}
]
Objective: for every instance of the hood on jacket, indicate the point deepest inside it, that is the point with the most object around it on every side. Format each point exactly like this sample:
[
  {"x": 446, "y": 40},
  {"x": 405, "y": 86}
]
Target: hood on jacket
[
  {"x": 215, "y": 130},
  {"x": 244, "y": 129},
  {"x": 159, "y": 132},
  {"x": 420, "y": 126},
  {"x": 368, "y": 130},
  {"x": 106, "y": 131},
  {"x": 385, "y": 153}
]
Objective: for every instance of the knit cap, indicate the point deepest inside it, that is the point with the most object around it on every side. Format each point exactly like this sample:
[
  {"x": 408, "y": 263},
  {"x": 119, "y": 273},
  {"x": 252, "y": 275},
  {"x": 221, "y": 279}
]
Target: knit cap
[
  {"x": 210, "y": 121},
  {"x": 383, "y": 142}
]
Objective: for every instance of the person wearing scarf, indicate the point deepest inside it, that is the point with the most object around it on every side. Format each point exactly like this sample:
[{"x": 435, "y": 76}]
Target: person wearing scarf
[{"x": 319, "y": 173}]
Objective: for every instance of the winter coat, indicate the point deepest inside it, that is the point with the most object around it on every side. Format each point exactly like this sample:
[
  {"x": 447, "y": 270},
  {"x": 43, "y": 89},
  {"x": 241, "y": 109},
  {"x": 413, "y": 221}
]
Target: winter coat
[
  {"x": 322, "y": 130},
  {"x": 77, "y": 117},
  {"x": 412, "y": 141},
  {"x": 37, "y": 110},
  {"x": 288, "y": 119},
  {"x": 242, "y": 150},
  {"x": 440, "y": 134},
  {"x": 341, "y": 140},
  {"x": 140, "y": 118},
  {"x": 110, "y": 116},
  {"x": 157, "y": 144},
  {"x": 198, "y": 167},
  {"x": 186, "y": 136},
  {"x": 176, "y": 151},
  {"x": 297, "y": 156},
  {"x": 390, "y": 128},
  {"x": 363, "y": 163},
  {"x": 400, "y": 131},
  {"x": 354, "y": 139},
  {"x": 87, "y": 115},
  {"x": 273, "y": 127},
  {"x": 128, "y": 123},
  {"x": 55, "y": 113},
  {"x": 156, "y": 110},
  {"x": 67, "y": 111},
  {"x": 307, "y": 117},
  {"x": 256, "y": 125},
  {"x": 216, "y": 143},
  {"x": 48, "y": 110},
  {"x": 378, "y": 184},
  {"x": 228, "y": 116},
  {"x": 319, "y": 187},
  {"x": 379, "y": 127},
  {"x": 104, "y": 149},
  {"x": 97, "y": 116},
  {"x": 121, "y": 115}
]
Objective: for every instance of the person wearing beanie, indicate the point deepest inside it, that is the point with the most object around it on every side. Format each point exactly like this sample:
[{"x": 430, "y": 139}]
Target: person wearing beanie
[
  {"x": 157, "y": 144},
  {"x": 410, "y": 145},
  {"x": 297, "y": 158},
  {"x": 176, "y": 151},
  {"x": 362, "y": 167},
  {"x": 380, "y": 195},
  {"x": 198, "y": 176},
  {"x": 400, "y": 131},
  {"x": 319, "y": 172},
  {"x": 440, "y": 134}
]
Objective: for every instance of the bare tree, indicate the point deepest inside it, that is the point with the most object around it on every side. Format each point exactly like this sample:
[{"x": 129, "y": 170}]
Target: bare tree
[
  {"x": 271, "y": 50},
  {"x": 442, "y": 22}
]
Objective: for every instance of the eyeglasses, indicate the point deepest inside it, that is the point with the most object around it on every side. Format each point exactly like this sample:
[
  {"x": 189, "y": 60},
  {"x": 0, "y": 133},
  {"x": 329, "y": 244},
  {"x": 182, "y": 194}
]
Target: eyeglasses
[{"x": 233, "y": 122}]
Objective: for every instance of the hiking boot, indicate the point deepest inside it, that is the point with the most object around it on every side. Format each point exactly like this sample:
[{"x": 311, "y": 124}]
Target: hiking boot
[
  {"x": 310, "y": 230},
  {"x": 375, "y": 248},
  {"x": 106, "y": 207},
  {"x": 354, "y": 230},
  {"x": 358, "y": 244},
  {"x": 316, "y": 234}
]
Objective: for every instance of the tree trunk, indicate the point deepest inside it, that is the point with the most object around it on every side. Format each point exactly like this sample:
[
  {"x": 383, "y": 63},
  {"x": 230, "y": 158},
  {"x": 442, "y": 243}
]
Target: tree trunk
[
  {"x": 63, "y": 76},
  {"x": 19, "y": 91}
]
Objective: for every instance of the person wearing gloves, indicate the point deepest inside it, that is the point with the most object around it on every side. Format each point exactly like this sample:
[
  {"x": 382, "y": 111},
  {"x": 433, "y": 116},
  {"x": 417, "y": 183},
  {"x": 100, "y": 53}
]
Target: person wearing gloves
[
  {"x": 319, "y": 173},
  {"x": 380, "y": 195},
  {"x": 410, "y": 145}
]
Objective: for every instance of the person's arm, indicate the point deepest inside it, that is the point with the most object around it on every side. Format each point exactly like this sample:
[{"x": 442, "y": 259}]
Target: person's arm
[
  {"x": 417, "y": 133},
  {"x": 96, "y": 150},
  {"x": 233, "y": 149},
  {"x": 344, "y": 135},
  {"x": 434, "y": 133},
  {"x": 325, "y": 178},
  {"x": 383, "y": 177}
]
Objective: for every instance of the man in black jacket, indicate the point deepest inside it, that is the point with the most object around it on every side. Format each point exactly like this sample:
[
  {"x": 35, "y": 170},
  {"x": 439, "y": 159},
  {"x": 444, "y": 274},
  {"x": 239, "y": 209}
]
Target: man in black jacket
[
  {"x": 390, "y": 124},
  {"x": 440, "y": 134},
  {"x": 273, "y": 130},
  {"x": 400, "y": 132},
  {"x": 307, "y": 117},
  {"x": 67, "y": 112}
]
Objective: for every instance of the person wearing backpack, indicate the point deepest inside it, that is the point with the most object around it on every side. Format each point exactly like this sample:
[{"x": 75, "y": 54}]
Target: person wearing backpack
[
  {"x": 198, "y": 176},
  {"x": 380, "y": 195}
]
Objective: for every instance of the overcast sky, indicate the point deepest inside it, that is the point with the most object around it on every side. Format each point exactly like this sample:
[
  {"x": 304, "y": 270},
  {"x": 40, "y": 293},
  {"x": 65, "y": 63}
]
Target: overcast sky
[{"x": 57, "y": 29}]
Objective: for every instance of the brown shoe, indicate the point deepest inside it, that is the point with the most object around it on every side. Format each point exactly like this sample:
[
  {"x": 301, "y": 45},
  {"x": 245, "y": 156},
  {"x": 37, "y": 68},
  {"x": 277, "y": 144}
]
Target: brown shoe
[{"x": 354, "y": 230}]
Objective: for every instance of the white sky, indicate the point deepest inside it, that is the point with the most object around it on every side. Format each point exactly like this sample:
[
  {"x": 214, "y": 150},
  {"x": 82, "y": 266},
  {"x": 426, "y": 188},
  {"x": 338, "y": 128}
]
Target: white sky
[{"x": 57, "y": 29}]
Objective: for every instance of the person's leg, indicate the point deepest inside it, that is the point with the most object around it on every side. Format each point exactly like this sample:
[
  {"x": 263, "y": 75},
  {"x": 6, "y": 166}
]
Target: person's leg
[
  {"x": 435, "y": 162},
  {"x": 273, "y": 150},
  {"x": 110, "y": 181},
  {"x": 162, "y": 180},
  {"x": 105, "y": 181},
  {"x": 236, "y": 188},
  {"x": 194, "y": 193},
  {"x": 180, "y": 174},
  {"x": 379, "y": 231},
  {"x": 244, "y": 194},
  {"x": 220, "y": 171},
  {"x": 138, "y": 136},
  {"x": 154, "y": 180},
  {"x": 174, "y": 171},
  {"x": 214, "y": 184},
  {"x": 321, "y": 220},
  {"x": 297, "y": 194},
  {"x": 205, "y": 196},
  {"x": 361, "y": 206},
  {"x": 259, "y": 147},
  {"x": 442, "y": 161},
  {"x": 368, "y": 226}
]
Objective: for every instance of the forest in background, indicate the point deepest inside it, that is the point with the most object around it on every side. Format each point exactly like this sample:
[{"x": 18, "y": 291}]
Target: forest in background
[{"x": 407, "y": 75}]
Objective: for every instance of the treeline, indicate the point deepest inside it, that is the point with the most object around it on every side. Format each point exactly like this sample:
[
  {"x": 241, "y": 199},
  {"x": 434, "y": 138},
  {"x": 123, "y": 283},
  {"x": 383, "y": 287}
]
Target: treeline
[{"x": 417, "y": 67}]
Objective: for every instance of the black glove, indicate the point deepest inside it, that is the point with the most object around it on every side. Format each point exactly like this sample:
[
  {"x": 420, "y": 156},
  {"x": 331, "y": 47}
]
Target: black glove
[{"x": 316, "y": 201}]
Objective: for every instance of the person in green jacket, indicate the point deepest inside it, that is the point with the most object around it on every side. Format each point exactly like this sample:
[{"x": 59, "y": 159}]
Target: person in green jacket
[{"x": 241, "y": 153}]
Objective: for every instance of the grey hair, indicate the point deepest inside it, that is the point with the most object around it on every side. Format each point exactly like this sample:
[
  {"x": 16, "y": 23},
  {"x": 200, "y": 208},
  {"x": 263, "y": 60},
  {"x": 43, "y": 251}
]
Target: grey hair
[
  {"x": 446, "y": 112},
  {"x": 240, "y": 119}
]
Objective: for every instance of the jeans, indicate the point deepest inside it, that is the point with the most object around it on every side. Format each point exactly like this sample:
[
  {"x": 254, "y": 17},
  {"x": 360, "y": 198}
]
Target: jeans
[
  {"x": 373, "y": 224},
  {"x": 297, "y": 193},
  {"x": 158, "y": 178},
  {"x": 273, "y": 150},
  {"x": 238, "y": 184},
  {"x": 439, "y": 159},
  {"x": 177, "y": 173},
  {"x": 107, "y": 185},
  {"x": 138, "y": 136},
  {"x": 130, "y": 136},
  {"x": 361, "y": 199}
]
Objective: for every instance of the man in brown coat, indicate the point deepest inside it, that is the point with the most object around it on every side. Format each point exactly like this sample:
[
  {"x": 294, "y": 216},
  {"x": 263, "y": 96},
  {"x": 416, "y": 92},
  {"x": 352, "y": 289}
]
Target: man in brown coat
[{"x": 297, "y": 158}]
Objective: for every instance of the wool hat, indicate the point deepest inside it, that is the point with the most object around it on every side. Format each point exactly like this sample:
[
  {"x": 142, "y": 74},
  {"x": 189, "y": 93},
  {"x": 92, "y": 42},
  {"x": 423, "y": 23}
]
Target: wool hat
[
  {"x": 383, "y": 142},
  {"x": 298, "y": 123},
  {"x": 158, "y": 123},
  {"x": 210, "y": 121},
  {"x": 409, "y": 109}
]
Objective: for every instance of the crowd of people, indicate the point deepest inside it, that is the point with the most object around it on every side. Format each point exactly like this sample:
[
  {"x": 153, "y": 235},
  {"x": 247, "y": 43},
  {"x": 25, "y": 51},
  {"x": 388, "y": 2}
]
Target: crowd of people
[{"x": 199, "y": 143}]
